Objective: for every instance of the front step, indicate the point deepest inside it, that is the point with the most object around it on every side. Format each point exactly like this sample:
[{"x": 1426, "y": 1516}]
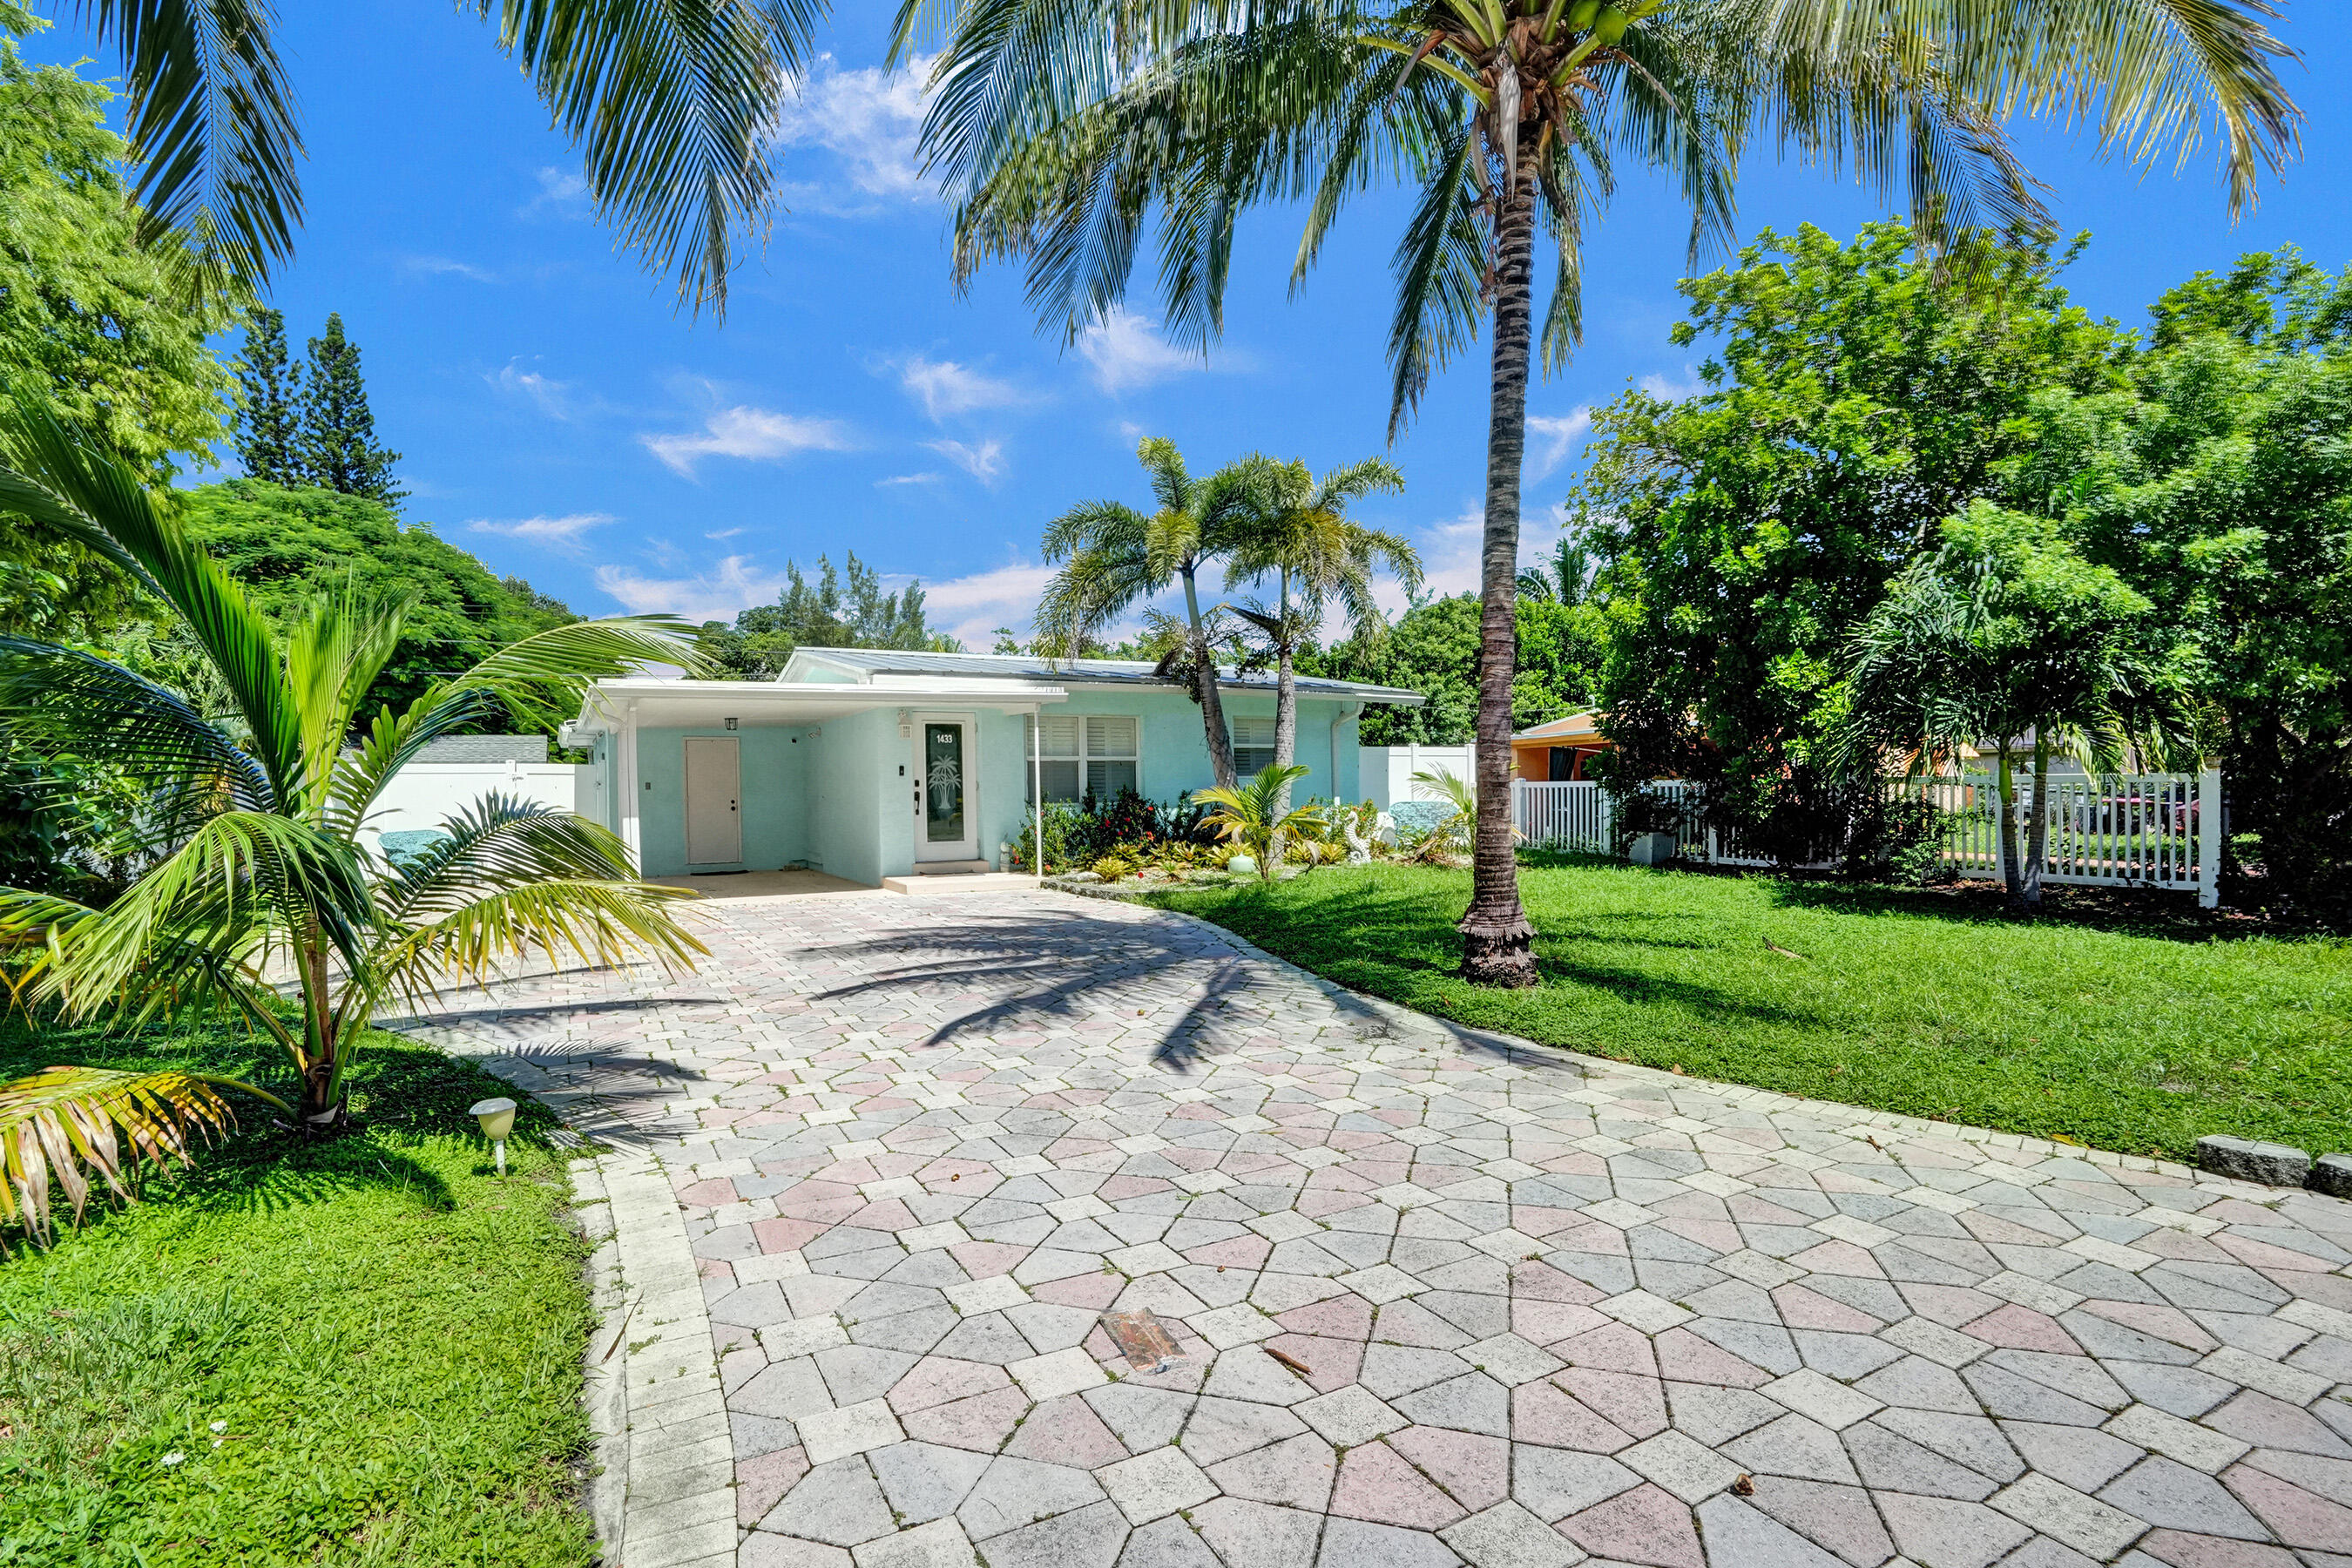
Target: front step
[{"x": 980, "y": 881}]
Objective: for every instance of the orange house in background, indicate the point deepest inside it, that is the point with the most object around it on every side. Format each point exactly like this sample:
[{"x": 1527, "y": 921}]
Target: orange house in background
[{"x": 1558, "y": 750}]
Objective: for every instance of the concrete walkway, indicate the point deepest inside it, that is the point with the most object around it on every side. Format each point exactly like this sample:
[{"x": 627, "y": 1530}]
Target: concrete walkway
[{"x": 1430, "y": 1299}]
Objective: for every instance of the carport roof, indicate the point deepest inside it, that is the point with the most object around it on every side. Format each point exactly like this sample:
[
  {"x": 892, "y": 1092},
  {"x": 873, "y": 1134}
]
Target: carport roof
[
  {"x": 868, "y": 664},
  {"x": 696, "y": 703}
]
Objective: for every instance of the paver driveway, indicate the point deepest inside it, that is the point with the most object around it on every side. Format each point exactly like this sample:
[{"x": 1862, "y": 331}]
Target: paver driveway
[{"x": 1435, "y": 1301}]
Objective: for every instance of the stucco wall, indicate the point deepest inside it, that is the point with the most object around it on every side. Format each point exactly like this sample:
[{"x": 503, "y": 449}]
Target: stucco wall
[
  {"x": 847, "y": 770},
  {"x": 774, "y": 792}
]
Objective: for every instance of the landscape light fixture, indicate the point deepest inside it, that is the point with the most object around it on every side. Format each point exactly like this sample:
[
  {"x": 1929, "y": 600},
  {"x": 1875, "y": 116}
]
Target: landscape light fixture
[{"x": 497, "y": 1117}]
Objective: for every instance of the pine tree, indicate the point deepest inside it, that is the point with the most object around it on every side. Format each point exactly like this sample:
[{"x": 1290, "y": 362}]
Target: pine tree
[
  {"x": 267, "y": 440},
  {"x": 339, "y": 449}
]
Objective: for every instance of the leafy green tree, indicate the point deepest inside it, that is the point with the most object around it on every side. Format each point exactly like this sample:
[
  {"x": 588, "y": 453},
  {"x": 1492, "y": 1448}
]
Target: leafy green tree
[
  {"x": 255, "y": 816},
  {"x": 336, "y": 447},
  {"x": 1296, "y": 530},
  {"x": 286, "y": 547},
  {"x": 1853, "y": 401},
  {"x": 825, "y": 614},
  {"x": 268, "y": 416},
  {"x": 1434, "y": 648},
  {"x": 1065, "y": 130},
  {"x": 2005, "y": 632},
  {"x": 91, "y": 319},
  {"x": 2215, "y": 483},
  {"x": 672, "y": 106},
  {"x": 1112, "y": 555}
]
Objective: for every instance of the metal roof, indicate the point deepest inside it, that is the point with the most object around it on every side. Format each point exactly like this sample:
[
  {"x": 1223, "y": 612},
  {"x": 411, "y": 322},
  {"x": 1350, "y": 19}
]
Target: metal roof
[{"x": 1077, "y": 671}]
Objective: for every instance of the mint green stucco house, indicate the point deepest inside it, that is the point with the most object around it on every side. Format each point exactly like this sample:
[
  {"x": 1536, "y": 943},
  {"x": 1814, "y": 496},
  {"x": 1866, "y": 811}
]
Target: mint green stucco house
[{"x": 868, "y": 762}]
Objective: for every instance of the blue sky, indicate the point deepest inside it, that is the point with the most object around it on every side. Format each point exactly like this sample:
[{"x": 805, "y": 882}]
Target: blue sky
[{"x": 560, "y": 419}]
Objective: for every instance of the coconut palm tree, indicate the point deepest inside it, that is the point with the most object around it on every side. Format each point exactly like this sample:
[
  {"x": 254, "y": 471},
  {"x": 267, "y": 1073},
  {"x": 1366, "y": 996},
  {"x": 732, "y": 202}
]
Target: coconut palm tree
[
  {"x": 672, "y": 106},
  {"x": 1063, "y": 129},
  {"x": 1113, "y": 555},
  {"x": 255, "y": 813},
  {"x": 1297, "y": 532},
  {"x": 1566, "y": 575}
]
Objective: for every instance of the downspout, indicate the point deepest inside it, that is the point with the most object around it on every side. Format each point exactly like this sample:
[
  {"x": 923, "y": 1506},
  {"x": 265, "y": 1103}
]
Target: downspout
[{"x": 1038, "y": 787}]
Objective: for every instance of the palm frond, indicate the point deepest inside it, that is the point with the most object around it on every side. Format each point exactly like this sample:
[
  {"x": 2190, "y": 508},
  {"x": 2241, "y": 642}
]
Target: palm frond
[
  {"x": 596, "y": 922},
  {"x": 64, "y": 1125},
  {"x": 540, "y": 678},
  {"x": 674, "y": 107},
  {"x": 61, "y": 479},
  {"x": 500, "y": 842},
  {"x": 212, "y": 127}
]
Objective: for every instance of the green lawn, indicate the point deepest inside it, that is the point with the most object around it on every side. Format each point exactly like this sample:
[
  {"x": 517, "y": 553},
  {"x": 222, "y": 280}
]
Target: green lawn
[
  {"x": 2137, "y": 1032},
  {"x": 387, "y": 1337}
]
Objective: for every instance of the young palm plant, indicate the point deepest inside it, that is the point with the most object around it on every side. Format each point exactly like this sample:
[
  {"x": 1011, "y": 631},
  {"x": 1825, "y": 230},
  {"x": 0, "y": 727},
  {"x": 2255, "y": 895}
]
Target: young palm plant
[
  {"x": 1112, "y": 555},
  {"x": 255, "y": 813},
  {"x": 1257, "y": 817},
  {"x": 1065, "y": 127},
  {"x": 1297, "y": 532}
]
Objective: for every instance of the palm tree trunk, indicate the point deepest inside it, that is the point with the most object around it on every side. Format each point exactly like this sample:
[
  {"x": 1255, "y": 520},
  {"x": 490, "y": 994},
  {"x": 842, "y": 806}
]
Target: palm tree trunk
[
  {"x": 1213, "y": 704},
  {"x": 1285, "y": 688},
  {"x": 2037, "y": 833},
  {"x": 1497, "y": 942},
  {"x": 319, "y": 1106}
]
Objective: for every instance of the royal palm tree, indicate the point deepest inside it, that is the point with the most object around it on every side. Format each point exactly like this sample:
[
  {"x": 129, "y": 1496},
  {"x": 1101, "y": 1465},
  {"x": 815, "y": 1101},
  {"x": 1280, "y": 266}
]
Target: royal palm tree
[
  {"x": 255, "y": 813},
  {"x": 673, "y": 107},
  {"x": 1113, "y": 555},
  {"x": 1063, "y": 129},
  {"x": 1566, "y": 575},
  {"x": 1297, "y": 532}
]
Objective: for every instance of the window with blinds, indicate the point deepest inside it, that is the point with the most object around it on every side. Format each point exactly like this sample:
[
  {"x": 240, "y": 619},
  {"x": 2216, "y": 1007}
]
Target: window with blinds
[
  {"x": 1098, "y": 755},
  {"x": 1253, "y": 746}
]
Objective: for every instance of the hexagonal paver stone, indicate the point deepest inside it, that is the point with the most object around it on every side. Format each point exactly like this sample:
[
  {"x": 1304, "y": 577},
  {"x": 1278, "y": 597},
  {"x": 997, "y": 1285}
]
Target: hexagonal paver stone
[{"x": 1155, "y": 1484}]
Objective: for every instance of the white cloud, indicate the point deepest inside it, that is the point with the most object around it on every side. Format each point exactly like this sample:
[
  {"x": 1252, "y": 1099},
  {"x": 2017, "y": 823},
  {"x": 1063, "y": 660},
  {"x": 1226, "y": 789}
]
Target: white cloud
[
  {"x": 562, "y": 192},
  {"x": 983, "y": 460},
  {"x": 715, "y": 596},
  {"x": 971, "y": 607},
  {"x": 1127, "y": 354},
  {"x": 553, "y": 396},
  {"x": 868, "y": 119},
  {"x": 944, "y": 387},
  {"x": 1675, "y": 388},
  {"x": 755, "y": 434},
  {"x": 563, "y": 532},
  {"x": 723, "y": 533},
  {"x": 906, "y": 479},
  {"x": 446, "y": 267},
  {"x": 1553, "y": 435}
]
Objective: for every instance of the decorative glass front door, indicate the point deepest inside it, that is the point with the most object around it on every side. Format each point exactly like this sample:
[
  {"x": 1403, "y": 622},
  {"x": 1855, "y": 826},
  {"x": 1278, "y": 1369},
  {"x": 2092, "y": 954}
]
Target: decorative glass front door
[{"x": 944, "y": 809}]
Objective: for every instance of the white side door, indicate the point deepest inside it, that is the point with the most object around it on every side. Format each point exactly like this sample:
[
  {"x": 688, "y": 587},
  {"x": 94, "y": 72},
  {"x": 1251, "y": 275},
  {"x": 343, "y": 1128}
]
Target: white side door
[
  {"x": 714, "y": 818},
  {"x": 947, "y": 758}
]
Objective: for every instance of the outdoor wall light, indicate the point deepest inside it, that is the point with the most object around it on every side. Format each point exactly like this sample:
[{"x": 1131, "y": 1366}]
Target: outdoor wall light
[
  {"x": 497, "y": 1117},
  {"x": 731, "y": 723}
]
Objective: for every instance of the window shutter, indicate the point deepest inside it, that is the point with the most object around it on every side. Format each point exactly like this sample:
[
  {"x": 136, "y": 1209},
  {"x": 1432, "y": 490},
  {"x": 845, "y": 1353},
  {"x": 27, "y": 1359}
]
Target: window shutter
[{"x": 1110, "y": 737}]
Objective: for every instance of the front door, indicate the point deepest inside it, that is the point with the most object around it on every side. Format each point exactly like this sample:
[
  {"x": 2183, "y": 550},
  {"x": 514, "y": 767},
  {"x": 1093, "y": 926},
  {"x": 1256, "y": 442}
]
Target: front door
[
  {"x": 944, "y": 825},
  {"x": 714, "y": 820}
]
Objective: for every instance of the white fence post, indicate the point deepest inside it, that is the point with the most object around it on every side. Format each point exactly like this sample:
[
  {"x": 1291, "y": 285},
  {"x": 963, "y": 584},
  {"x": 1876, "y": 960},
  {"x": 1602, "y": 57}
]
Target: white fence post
[{"x": 2209, "y": 838}]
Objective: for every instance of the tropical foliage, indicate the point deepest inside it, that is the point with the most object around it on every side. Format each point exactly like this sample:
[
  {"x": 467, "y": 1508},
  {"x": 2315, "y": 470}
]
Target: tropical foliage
[
  {"x": 255, "y": 809},
  {"x": 1111, "y": 556},
  {"x": 1256, "y": 816},
  {"x": 65, "y": 1124},
  {"x": 1433, "y": 649},
  {"x": 2004, "y": 634},
  {"x": 1296, "y": 532}
]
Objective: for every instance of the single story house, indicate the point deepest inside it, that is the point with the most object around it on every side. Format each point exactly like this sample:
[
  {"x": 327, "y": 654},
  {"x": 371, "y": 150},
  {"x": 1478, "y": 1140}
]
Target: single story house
[
  {"x": 870, "y": 763},
  {"x": 1557, "y": 751}
]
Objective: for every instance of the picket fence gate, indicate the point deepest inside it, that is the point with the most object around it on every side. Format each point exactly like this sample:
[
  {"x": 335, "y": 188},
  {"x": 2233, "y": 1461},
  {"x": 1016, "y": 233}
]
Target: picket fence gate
[{"x": 2138, "y": 830}]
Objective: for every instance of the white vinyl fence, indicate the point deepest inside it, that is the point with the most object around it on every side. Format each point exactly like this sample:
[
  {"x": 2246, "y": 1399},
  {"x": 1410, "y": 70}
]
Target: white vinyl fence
[
  {"x": 2140, "y": 830},
  {"x": 1385, "y": 772}
]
